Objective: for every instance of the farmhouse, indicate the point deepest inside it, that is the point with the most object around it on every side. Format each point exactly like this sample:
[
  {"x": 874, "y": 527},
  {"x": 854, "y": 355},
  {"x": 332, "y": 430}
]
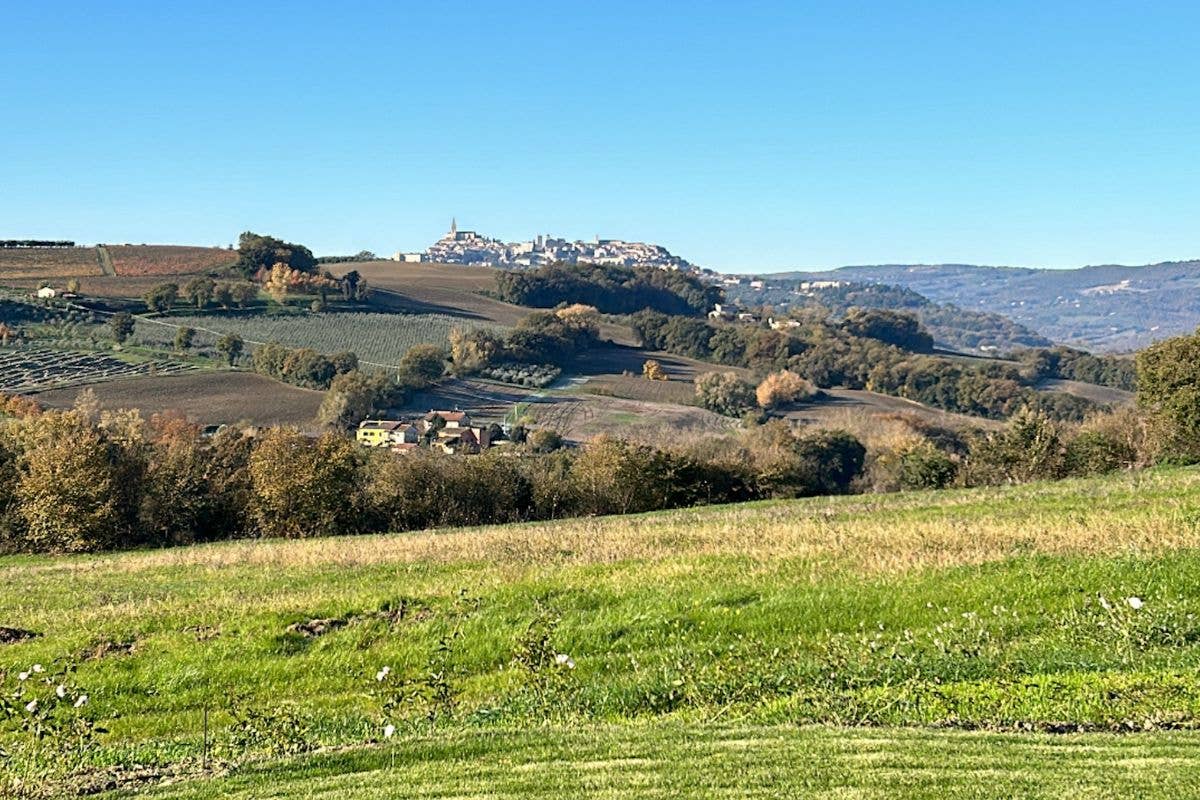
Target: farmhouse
[
  {"x": 382, "y": 432},
  {"x": 46, "y": 292},
  {"x": 448, "y": 431}
]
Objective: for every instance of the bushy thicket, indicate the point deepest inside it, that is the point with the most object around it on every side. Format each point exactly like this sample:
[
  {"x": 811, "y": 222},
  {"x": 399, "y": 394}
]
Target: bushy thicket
[
  {"x": 301, "y": 366},
  {"x": 841, "y": 354},
  {"x": 611, "y": 289},
  {"x": 541, "y": 338},
  {"x": 82, "y": 480}
]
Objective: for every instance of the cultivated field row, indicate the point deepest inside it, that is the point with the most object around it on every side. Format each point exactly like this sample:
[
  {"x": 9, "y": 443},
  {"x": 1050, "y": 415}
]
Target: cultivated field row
[{"x": 36, "y": 369}]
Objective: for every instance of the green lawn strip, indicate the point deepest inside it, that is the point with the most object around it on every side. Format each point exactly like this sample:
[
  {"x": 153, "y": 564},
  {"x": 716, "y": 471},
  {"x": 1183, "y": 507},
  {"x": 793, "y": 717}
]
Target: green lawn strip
[
  {"x": 1023, "y": 642},
  {"x": 668, "y": 760}
]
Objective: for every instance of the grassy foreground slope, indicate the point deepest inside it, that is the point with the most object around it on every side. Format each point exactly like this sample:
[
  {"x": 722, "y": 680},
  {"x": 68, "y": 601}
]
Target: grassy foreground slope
[{"x": 962, "y": 643}]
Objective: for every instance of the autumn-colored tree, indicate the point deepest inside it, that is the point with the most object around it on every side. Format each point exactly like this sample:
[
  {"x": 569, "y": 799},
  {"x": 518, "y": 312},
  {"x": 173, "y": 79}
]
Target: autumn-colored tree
[
  {"x": 782, "y": 388},
  {"x": 304, "y": 488},
  {"x": 582, "y": 318},
  {"x": 65, "y": 491},
  {"x": 73, "y": 286},
  {"x": 19, "y": 406},
  {"x": 278, "y": 282},
  {"x": 653, "y": 371},
  {"x": 7, "y": 333}
]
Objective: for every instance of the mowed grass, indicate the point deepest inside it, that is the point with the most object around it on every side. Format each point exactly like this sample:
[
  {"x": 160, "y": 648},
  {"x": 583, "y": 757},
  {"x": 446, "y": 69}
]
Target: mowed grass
[
  {"x": 671, "y": 760},
  {"x": 721, "y": 649}
]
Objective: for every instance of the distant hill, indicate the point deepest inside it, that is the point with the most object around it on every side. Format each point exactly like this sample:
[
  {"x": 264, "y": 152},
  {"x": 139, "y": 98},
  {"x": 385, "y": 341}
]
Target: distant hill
[
  {"x": 967, "y": 330},
  {"x": 1109, "y": 308}
]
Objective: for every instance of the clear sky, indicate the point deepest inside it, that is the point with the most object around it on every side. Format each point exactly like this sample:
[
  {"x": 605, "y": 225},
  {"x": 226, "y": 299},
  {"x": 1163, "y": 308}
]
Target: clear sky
[{"x": 741, "y": 135}]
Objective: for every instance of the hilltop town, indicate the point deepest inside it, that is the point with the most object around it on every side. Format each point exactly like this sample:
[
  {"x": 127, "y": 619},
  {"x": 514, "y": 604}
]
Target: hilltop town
[{"x": 470, "y": 247}]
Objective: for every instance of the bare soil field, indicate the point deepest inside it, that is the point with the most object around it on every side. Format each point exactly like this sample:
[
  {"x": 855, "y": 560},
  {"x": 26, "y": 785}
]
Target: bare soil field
[
  {"x": 161, "y": 260},
  {"x": 208, "y": 398},
  {"x": 47, "y": 263},
  {"x": 454, "y": 289}
]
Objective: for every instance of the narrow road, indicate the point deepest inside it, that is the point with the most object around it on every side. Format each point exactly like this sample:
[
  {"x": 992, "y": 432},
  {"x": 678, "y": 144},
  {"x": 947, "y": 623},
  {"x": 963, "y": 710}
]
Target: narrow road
[{"x": 105, "y": 260}]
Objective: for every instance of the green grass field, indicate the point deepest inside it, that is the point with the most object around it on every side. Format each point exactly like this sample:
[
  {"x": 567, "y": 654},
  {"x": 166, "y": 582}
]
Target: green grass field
[{"x": 972, "y": 643}]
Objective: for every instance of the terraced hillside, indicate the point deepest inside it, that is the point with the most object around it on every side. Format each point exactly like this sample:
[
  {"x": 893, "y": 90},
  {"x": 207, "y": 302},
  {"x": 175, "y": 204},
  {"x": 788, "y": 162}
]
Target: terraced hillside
[{"x": 1033, "y": 641}]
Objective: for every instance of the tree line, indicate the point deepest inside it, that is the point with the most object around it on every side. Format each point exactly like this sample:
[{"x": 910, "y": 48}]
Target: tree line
[
  {"x": 85, "y": 480},
  {"x": 878, "y": 350},
  {"x": 610, "y": 289},
  {"x": 12, "y": 244}
]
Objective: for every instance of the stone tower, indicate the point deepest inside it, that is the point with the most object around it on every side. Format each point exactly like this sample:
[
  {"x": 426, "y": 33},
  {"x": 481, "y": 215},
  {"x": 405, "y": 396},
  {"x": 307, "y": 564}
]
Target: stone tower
[{"x": 453, "y": 228}]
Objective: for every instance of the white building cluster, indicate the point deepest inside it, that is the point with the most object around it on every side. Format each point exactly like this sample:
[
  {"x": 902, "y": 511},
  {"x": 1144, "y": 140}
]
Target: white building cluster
[{"x": 469, "y": 247}]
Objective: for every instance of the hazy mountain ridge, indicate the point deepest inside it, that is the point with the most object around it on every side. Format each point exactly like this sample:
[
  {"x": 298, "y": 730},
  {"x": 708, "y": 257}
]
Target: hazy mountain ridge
[
  {"x": 1107, "y": 307},
  {"x": 967, "y": 330}
]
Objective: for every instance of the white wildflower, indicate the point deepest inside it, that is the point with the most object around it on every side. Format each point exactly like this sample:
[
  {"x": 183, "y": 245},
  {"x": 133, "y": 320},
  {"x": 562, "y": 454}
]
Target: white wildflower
[
  {"x": 564, "y": 660},
  {"x": 1134, "y": 602},
  {"x": 31, "y": 706},
  {"x": 82, "y": 701},
  {"x": 22, "y": 676},
  {"x": 1104, "y": 603},
  {"x": 61, "y": 691},
  {"x": 38, "y": 668},
  {"x": 383, "y": 673},
  {"x": 389, "y": 731}
]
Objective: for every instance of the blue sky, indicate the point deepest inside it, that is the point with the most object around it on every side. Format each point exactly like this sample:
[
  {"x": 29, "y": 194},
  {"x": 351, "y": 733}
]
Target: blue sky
[{"x": 743, "y": 136}]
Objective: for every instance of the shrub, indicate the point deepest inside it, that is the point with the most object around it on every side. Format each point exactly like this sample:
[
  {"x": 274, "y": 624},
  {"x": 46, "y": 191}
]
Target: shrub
[
  {"x": 782, "y": 388},
  {"x": 544, "y": 440},
  {"x": 725, "y": 393},
  {"x": 1030, "y": 448},
  {"x": 923, "y": 466},
  {"x": 1096, "y": 452},
  {"x": 653, "y": 371}
]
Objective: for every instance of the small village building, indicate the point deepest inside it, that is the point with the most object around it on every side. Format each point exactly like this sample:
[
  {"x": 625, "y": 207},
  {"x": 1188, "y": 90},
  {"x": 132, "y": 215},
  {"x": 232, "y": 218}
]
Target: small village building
[{"x": 380, "y": 432}]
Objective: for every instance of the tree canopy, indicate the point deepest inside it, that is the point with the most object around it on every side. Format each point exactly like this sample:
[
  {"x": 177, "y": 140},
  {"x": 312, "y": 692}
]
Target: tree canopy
[{"x": 257, "y": 252}]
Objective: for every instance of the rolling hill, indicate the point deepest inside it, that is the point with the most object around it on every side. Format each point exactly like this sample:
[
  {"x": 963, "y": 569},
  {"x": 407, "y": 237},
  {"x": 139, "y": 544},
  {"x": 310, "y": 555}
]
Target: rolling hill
[
  {"x": 1110, "y": 308},
  {"x": 708, "y": 652}
]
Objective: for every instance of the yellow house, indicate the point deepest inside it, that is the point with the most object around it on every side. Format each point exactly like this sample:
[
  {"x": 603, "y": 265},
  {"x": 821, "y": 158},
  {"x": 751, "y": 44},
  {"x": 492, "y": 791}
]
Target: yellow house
[{"x": 382, "y": 432}]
